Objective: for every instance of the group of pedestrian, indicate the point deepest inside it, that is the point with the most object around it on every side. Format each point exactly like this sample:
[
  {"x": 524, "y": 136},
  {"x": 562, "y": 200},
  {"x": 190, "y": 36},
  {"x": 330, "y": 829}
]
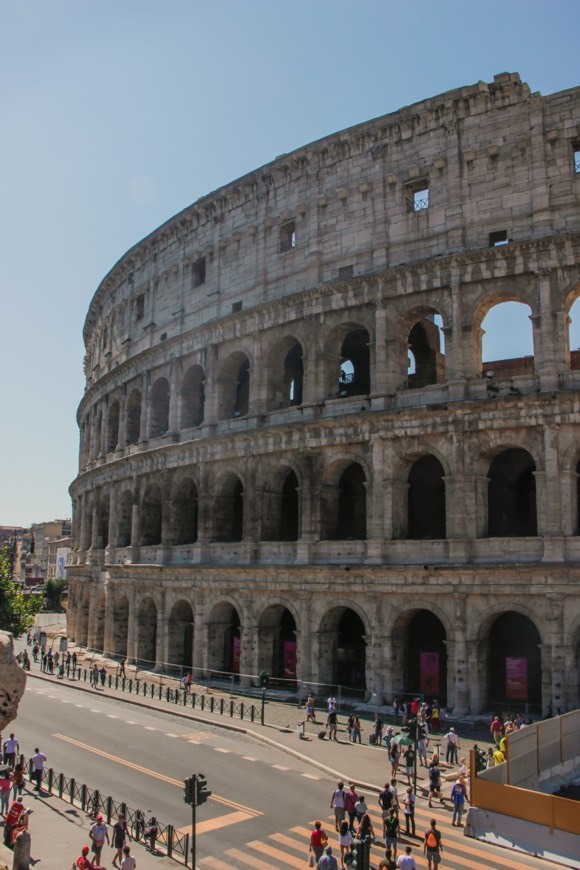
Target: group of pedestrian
[
  {"x": 434, "y": 715},
  {"x": 99, "y": 835},
  {"x": 352, "y": 820}
]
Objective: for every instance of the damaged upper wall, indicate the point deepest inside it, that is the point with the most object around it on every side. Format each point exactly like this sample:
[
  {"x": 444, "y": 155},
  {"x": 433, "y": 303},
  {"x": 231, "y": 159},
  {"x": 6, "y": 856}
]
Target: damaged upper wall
[{"x": 449, "y": 174}]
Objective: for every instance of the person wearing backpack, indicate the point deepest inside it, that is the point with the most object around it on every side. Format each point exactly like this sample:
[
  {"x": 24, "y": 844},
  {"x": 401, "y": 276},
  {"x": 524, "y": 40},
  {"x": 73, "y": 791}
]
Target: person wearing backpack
[{"x": 432, "y": 846}]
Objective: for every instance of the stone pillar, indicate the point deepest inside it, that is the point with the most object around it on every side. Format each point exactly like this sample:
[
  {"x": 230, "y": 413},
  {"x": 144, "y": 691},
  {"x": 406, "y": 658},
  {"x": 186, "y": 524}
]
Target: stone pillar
[
  {"x": 476, "y": 677},
  {"x": 376, "y": 502},
  {"x": 455, "y": 506},
  {"x": 93, "y": 614},
  {"x": 396, "y": 492},
  {"x": 174, "y": 397},
  {"x": 374, "y": 669},
  {"x": 546, "y": 665},
  {"x": 145, "y": 409},
  {"x": 112, "y": 524},
  {"x": 550, "y": 335},
  {"x": 379, "y": 370},
  {"x": 109, "y": 645},
  {"x": 132, "y": 627},
  {"x": 162, "y": 650},
  {"x": 457, "y": 660},
  {"x": 135, "y": 522},
  {"x": 95, "y": 529},
  {"x": 571, "y": 685},
  {"x": 475, "y": 505},
  {"x": 122, "y": 436},
  {"x": 568, "y": 484},
  {"x": 200, "y": 640}
]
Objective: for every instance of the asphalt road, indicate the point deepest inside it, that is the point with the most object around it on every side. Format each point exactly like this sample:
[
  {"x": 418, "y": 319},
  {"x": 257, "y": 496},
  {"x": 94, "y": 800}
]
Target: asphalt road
[{"x": 263, "y": 803}]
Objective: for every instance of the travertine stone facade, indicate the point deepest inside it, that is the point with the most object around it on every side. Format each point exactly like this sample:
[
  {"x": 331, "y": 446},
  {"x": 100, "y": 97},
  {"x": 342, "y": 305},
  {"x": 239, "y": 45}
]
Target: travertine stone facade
[{"x": 265, "y": 484}]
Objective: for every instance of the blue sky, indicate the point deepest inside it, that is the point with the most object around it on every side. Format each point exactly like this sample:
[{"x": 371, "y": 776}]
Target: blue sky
[{"x": 116, "y": 114}]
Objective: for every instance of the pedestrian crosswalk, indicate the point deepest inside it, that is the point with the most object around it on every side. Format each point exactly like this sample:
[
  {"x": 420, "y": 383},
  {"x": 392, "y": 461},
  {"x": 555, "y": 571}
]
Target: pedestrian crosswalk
[{"x": 284, "y": 850}]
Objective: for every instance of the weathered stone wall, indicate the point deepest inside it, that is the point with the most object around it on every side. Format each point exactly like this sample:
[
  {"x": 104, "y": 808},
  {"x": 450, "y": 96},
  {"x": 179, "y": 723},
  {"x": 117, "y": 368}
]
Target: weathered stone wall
[
  {"x": 234, "y": 471},
  {"x": 12, "y": 681}
]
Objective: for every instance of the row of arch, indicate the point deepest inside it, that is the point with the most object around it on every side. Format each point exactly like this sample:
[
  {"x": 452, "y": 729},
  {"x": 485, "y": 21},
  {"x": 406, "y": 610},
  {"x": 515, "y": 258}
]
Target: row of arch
[
  {"x": 181, "y": 513},
  {"x": 507, "y": 648},
  {"x": 347, "y": 370}
]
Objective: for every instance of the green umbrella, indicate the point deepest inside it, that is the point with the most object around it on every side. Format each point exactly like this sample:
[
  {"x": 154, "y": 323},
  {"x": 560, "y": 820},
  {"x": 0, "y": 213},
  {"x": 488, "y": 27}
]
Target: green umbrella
[{"x": 402, "y": 740}]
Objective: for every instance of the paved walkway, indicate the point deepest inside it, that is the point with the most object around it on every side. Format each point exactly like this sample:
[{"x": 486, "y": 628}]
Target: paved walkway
[{"x": 62, "y": 829}]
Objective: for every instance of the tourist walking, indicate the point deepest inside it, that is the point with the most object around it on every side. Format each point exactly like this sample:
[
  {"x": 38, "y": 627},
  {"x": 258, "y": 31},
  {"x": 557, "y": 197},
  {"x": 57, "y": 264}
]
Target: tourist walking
[
  {"x": 345, "y": 838},
  {"x": 350, "y": 801},
  {"x": 458, "y": 796},
  {"x": 409, "y": 810},
  {"x": 337, "y": 803},
  {"x": 406, "y": 861},
  {"x": 37, "y": 760},
  {"x": 11, "y": 750},
  {"x": 318, "y": 842},
  {"x": 453, "y": 746},
  {"x": 432, "y": 846},
  {"x": 120, "y": 834},
  {"x": 328, "y": 861},
  {"x": 392, "y": 832},
  {"x": 99, "y": 835}
]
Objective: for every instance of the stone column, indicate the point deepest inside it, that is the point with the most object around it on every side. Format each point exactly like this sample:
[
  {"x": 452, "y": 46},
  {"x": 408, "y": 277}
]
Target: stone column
[
  {"x": 200, "y": 641},
  {"x": 162, "y": 648},
  {"x": 135, "y": 522},
  {"x": 93, "y": 613},
  {"x": 396, "y": 492},
  {"x": 122, "y": 436},
  {"x": 476, "y": 677},
  {"x": 132, "y": 626},
  {"x": 475, "y": 505},
  {"x": 455, "y": 506},
  {"x": 568, "y": 484},
  {"x": 550, "y": 335},
  {"x": 570, "y": 653},
  {"x": 174, "y": 396},
  {"x": 457, "y": 660},
  {"x": 95, "y": 529},
  {"x": 546, "y": 665},
  {"x": 145, "y": 409},
  {"x": 379, "y": 372},
  {"x": 109, "y": 646}
]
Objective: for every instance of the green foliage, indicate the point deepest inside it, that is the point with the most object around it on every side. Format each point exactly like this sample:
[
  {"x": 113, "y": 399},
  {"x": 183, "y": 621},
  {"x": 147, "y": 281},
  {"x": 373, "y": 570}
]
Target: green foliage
[
  {"x": 53, "y": 592},
  {"x": 17, "y": 611}
]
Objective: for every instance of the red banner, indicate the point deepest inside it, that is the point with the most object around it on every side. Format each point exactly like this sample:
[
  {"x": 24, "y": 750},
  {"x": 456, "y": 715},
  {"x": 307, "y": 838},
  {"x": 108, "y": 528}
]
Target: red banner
[
  {"x": 516, "y": 679},
  {"x": 429, "y": 676}
]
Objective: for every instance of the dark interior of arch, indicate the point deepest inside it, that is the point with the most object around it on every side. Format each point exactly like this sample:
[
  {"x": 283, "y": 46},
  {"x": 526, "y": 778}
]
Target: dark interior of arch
[
  {"x": 192, "y": 398},
  {"x": 151, "y": 517},
  {"x": 231, "y": 644},
  {"x": 426, "y": 500},
  {"x": 242, "y": 398},
  {"x": 147, "y": 634},
  {"x": 159, "y": 408},
  {"x": 113, "y": 427},
  {"x": 134, "y": 417},
  {"x": 350, "y": 658},
  {"x": 512, "y": 495},
  {"x": 426, "y": 656},
  {"x": 352, "y": 504},
  {"x": 293, "y": 376},
  {"x": 355, "y": 349},
  {"x": 513, "y": 635},
  {"x": 289, "y": 509},
  {"x": 185, "y": 513},
  {"x": 103, "y": 530},
  {"x": 283, "y": 664},
  {"x": 120, "y": 627},
  {"x": 180, "y": 635},
  {"x": 425, "y": 344},
  {"x": 229, "y": 513},
  {"x": 124, "y": 518}
]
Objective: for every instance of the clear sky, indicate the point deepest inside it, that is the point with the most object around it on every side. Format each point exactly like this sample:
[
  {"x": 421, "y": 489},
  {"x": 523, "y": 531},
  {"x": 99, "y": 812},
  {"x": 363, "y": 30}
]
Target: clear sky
[{"x": 116, "y": 114}]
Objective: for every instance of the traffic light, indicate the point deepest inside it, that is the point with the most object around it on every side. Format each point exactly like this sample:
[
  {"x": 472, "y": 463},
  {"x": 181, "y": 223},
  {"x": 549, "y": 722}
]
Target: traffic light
[
  {"x": 361, "y": 853},
  {"x": 201, "y": 791},
  {"x": 188, "y": 790}
]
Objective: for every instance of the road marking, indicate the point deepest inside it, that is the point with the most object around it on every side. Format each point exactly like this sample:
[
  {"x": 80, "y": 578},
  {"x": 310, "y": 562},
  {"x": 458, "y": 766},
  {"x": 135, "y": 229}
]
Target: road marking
[
  {"x": 111, "y": 716},
  {"x": 129, "y": 722},
  {"x": 176, "y": 782},
  {"x": 95, "y": 711},
  {"x": 169, "y": 734},
  {"x": 195, "y": 742},
  {"x": 276, "y": 854},
  {"x": 280, "y": 767},
  {"x": 52, "y": 697},
  {"x": 252, "y": 861},
  {"x": 64, "y": 702},
  {"x": 220, "y": 749},
  {"x": 80, "y": 705},
  {"x": 209, "y": 825},
  {"x": 150, "y": 728},
  {"x": 248, "y": 758},
  {"x": 310, "y": 776}
]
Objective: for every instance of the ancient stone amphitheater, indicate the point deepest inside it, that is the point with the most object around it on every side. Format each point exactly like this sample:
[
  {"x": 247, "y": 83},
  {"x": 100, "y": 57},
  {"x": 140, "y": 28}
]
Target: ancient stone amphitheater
[{"x": 293, "y": 457}]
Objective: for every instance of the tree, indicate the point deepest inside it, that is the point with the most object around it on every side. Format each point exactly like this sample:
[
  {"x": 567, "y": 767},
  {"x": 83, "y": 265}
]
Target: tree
[
  {"x": 17, "y": 611},
  {"x": 53, "y": 592}
]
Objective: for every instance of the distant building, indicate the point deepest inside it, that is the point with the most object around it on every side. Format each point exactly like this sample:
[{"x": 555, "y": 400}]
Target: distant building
[
  {"x": 44, "y": 535},
  {"x": 58, "y": 551}
]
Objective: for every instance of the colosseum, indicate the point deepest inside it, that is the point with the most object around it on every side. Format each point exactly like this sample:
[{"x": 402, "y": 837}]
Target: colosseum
[{"x": 295, "y": 456}]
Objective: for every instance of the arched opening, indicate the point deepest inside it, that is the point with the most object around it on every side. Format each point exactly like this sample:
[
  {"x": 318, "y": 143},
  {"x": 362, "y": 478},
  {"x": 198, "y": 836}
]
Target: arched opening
[
  {"x": 343, "y": 509},
  {"x": 342, "y": 650},
  {"x": 151, "y": 516},
  {"x": 228, "y": 520},
  {"x": 234, "y": 387},
  {"x": 159, "y": 408},
  {"x": 287, "y": 374},
  {"x": 82, "y": 634},
  {"x": 103, "y": 520},
  {"x": 507, "y": 344},
  {"x": 280, "y": 510},
  {"x": 514, "y": 666},
  {"x": 124, "y": 519},
  {"x": 147, "y": 634},
  {"x": 88, "y": 527},
  {"x": 426, "y": 500},
  {"x": 98, "y": 436},
  {"x": 134, "y": 417},
  {"x": 355, "y": 368},
  {"x": 426, "y": 351},
  {"x": 113, "y": 426},
  {"x": 277, "y": 643},
  {"x": 120, "y": 626},
  {"x": 224, "y": 639},
  {"x": 512, "y": 495},
  {"x": 180, "y": 635},
  {"x": 99, "y": 639},
  {"x": 185, "y": 513},
  {"x": 192, "y": 398},
  {"x": 425, "y": 656}
]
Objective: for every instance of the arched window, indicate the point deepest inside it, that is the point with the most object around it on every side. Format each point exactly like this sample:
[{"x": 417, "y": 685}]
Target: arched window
[
  {"x": 159, "y": 408},
  {"x": 185, "y": 512},
  {"x": 426, "y": 352},
  {"x": 192, "y": 398},
  {"x": 151, "y": 516},
  {"x": 343, "y": 508},
  {"x": 280, "y": 510},
  {"x": 228, "y": 520},
  {"x": 426, "y": 500},
  {"x": 134, "y": 417},
  {"x": 355, "y": 372},
  {"x": 234, "y": 387},
  {"x": 512, "y": 495},
  {"x": 124, "y": 519},
  {"x": 507, "y": 343},
  {"x": 574, "y": 334},
  {"x": 113, "y": 426}
]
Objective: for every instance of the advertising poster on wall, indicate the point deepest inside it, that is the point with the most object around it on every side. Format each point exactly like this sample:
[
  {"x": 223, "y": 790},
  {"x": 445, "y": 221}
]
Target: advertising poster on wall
[
  {"x": 516, "y": 679},
  {"x": 429, "y": 676}
]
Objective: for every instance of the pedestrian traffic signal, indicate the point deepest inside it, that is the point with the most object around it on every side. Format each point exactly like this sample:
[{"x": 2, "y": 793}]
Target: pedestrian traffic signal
[
  {"x": 188, "y": 790},
  {"x": 201, "y": 790}
]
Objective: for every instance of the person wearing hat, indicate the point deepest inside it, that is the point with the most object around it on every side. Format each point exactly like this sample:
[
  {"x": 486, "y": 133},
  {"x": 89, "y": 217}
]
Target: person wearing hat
[
  {"x": 328, "y": 861},
  {"x": 453, "y": 746},
  {"x": 82, "y": 862},
  {"x": 98, "y": 834}
]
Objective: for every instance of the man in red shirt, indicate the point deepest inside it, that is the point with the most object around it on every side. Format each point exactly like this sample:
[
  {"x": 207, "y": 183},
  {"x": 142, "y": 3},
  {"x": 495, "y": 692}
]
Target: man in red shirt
[
  {"x": 82, "y": 862},
  {"x": 496, "y": 729}
]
